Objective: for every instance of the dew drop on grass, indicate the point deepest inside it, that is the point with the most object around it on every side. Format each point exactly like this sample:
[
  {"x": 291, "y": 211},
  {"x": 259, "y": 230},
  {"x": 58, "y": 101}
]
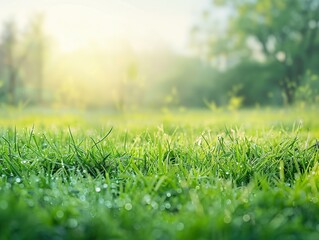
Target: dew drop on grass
[
  {"x": 72, "y": 223},
  {"x": 227, "y": 219},
  {"x": 18, "y": 180},
  {"x": 147, "y": 199},
  {"x": 167, "y": 205},
  {"x": 246, "y": 218},
  {"x": 128, "y": 206},
  {"x": 180, "y": 226},
  {"x": 108, "y": 204},
  {"x": 97, "y": 189},
  {"x": 30, "y": 203},
  {"x": 105, "y": 186},
  {"x": 168, "y": 194},
  {"x": 154, "y": 205},
  {"x": 59, "y": 214}
]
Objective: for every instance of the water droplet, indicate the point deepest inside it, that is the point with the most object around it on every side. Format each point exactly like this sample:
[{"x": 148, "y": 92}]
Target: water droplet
[
  {"x": 97, "y": 189},
  {"x": 168, "y": 194},
  {"x": 147, "y": 199},
  {"x": 128, "y": 206},
  {"x": 105, "y": 186},
  {"x": 227, "y": 219},
  {"x": 167, "y": 205},
  {"x": 154, "y": 205},
  {"x": 73, "y": 223},
  {"x": 108, "y": 204},
  {"x": 18, "y": 180},
  {"x": 180, "y": 226},
  {"x": 30, "y": 203},
  {"x": 59, "y": 214},
  {"x": 246, "y": 218}
]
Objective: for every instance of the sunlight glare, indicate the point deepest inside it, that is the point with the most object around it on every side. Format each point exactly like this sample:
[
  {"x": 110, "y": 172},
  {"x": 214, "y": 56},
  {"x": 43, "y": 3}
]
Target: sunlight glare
[{"x": 87, "y": 24}]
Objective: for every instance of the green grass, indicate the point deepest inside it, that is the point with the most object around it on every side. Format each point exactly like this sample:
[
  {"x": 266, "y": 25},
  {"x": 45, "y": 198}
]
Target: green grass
[{"x": 190, "y": 175}]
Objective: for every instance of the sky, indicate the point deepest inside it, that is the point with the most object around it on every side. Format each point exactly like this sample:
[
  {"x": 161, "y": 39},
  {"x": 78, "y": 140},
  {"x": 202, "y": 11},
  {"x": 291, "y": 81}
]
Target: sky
[{"x": 143, "y": 23}]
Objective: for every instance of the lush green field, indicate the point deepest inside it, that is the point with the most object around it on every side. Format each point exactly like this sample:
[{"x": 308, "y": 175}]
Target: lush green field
[{"x": 188, "y": 175}]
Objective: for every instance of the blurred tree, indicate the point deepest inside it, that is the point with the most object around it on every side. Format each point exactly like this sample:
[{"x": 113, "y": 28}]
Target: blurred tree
[
  {"x": 36, "y": 45},
  {"x": 11, "y": 59},
  {"x": 283, "y": 32}
]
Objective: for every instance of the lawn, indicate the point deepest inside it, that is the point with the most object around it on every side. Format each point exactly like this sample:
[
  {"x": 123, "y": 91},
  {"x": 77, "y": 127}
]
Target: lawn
[{"x": 250, "y": 174}]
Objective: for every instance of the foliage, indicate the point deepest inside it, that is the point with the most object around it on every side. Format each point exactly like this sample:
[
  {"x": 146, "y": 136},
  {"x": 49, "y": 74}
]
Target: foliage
[
  {"x": 308, "y": 93},
  {"x": 283, "y": 33}
]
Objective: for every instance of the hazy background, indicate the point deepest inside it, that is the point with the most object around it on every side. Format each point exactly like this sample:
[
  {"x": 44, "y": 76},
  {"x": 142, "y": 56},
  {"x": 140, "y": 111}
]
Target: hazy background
[{"x": 141, "y": 54}]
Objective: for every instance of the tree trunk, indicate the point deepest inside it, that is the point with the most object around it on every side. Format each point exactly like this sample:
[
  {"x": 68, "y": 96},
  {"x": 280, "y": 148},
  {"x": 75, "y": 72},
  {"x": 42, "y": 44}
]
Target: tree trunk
[{"x": 12, "y": 87}]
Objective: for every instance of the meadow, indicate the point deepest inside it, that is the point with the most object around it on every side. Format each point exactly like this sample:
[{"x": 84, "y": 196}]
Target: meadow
[{"x": 248, "y": 174}]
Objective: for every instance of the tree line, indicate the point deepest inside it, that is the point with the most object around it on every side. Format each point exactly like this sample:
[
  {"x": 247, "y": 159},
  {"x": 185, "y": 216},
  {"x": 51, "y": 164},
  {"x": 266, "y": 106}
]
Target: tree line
[
  {"x": 260, "y": 52},
  {"x": 21, "y": 61},
  {"x": 268, "y": 44}
]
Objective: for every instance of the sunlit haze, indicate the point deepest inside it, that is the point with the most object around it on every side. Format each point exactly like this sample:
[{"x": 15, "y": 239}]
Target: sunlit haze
[{"x": 77, "y": 23}]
